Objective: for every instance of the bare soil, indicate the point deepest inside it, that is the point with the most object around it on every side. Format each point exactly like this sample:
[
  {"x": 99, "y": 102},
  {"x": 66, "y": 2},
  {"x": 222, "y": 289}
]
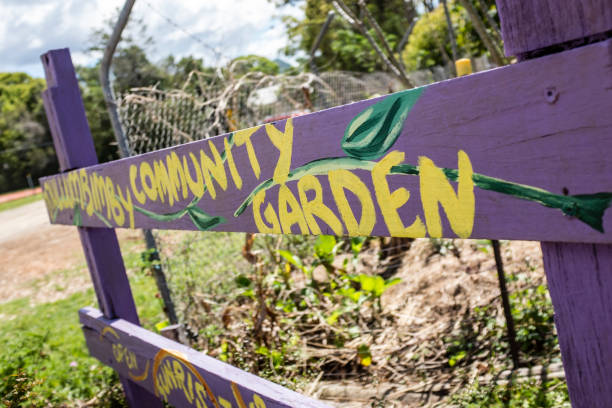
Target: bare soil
[{"x": 38, "y": 260}]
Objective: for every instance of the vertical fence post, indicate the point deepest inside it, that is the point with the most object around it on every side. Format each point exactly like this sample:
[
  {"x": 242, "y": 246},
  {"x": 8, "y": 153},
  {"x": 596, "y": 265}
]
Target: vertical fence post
[
  {"x": 579, "y": 275},
  {"x": 75, "y": 149}
]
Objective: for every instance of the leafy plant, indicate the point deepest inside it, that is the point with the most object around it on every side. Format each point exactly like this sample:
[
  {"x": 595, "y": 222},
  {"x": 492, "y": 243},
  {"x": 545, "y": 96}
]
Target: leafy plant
[
  {"x": 529, "y": 394},
  {"x": 534, "y": 319},
  {"x": 483, "y": 330}
]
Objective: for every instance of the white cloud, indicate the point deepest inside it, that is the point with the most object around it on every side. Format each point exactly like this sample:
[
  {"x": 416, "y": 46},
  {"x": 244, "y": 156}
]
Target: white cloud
[{"x": 31, "y": 27}]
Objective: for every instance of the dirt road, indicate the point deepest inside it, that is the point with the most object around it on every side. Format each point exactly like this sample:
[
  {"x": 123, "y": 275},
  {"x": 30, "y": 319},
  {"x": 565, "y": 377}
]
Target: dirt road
[{"x": 40, "y": 260}]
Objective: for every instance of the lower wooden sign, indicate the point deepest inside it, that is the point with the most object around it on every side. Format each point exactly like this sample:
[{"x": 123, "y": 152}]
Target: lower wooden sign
[{"x": 178, "y": 374}]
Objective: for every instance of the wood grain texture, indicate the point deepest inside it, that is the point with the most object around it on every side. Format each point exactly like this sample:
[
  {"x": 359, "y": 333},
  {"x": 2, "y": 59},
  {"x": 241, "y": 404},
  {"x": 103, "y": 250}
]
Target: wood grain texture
[
  {"x": 543, "y": 123},
  {"x": 580, "y": 280},
  {"x": 529, "y": 25},
  {"x": 74, "y": 147},
  {"x": 579, "y": 275},
  {"x": 178, "y": 374}
]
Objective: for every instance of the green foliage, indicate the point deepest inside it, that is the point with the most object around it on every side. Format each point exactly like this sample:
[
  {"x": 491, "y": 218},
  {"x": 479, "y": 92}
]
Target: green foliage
[
  {"x": 176, "y": 73},
  {"x": 534, "y": 319},
  {"x": 44, "y": 348},
  {"x": 529, "y": 394},
  {"x": 25, "y": 140},
  {"x": 344, "y": 48},
  {"x": 442, "y": 246},
  {"x": 132, "y": 69},
  {"x": 429, "y": 43},
  {"x": 254, "y": 63},
  {"x": 44, "y": 360},
  {"x": 483, "y": 333},
  {"x": 260, "y": 317}
]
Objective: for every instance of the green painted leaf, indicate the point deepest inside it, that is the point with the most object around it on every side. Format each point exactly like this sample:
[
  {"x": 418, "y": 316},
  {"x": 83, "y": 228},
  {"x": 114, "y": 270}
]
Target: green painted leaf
[
  {"x": 77, "y": 220},
  {"x": 202, "y": 220},
  {"x": 373, "y": 131}
]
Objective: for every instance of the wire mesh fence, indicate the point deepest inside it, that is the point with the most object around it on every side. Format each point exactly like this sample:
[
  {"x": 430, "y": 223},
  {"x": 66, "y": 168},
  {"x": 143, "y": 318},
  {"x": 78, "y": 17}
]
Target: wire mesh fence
[{"x": 212, "y": 104}]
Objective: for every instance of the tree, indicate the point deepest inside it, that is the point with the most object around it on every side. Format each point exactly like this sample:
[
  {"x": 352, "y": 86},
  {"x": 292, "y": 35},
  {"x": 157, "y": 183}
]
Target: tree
[
  {"x": 254, "y": 63},
  {"x": 343, "y": 47},
  {"x": 97, "y": 115},
  {"x": 25, "y": 140},
  {"x": 486, "y": 37},
  {"x": 428, "y": 45},
  {"x": 176, "y": 73},
  {"x": 132, "y": 69}
]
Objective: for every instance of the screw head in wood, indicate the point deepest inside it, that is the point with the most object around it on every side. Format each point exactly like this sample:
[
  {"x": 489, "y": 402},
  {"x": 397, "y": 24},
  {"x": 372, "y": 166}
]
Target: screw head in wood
[{"x": 551, "y": 94}]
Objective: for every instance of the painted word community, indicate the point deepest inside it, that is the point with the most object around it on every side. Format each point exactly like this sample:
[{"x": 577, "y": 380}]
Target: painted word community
[{"x": 175, "y": 178}]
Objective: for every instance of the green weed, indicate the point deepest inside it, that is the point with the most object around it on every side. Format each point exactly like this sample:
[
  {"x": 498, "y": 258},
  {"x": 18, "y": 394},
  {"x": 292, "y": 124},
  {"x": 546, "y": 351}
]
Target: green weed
[
  {"x": 483, "y": 333},
  {"x": 530, "y": 394},
  {"x": 44, "y": 360}
]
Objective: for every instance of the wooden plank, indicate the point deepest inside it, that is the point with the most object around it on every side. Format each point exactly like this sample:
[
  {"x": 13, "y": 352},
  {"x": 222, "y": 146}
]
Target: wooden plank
[
  {"x": 542, "y": 124},
  {"x": 579, "y": 275},
  {"x": 178, "y": 374},
  {"x": 529, "y": 25},
  {"x": 74, "y": 147},
  {"x": 579, "y": 280}
]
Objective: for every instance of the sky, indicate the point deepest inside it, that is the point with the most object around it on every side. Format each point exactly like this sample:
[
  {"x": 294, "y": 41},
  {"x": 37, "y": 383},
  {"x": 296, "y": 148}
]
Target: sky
[{"x": 231, "y": 27}]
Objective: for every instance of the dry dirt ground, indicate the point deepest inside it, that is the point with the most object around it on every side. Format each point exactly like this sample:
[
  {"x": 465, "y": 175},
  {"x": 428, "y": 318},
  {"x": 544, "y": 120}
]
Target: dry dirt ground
[
  {"x": 440, "y": 282},
  {"x": 42, "y": 261}
]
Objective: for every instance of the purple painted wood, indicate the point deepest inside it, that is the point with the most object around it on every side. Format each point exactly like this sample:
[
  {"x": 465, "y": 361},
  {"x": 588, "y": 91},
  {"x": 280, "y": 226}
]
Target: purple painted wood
[
  {"x": 529, "y": 25},
  {"x": 580, "y": 281},
  {"x": 66, "y": 113},
  {"x": 579, "y": 275},
  {"x": 543, "y": 123},
  {"x": 74, "y": 147},
  {"x": 178, "y": 374}
]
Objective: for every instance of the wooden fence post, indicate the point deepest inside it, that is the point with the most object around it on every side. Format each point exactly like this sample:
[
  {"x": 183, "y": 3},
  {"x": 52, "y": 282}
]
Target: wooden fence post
[
  {"x": 75, "y": 149},
  {"x": 579, "y": 275}
]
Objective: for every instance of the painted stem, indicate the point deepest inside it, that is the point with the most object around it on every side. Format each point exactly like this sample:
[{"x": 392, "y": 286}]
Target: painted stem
[{"x": 77, "y": 218}]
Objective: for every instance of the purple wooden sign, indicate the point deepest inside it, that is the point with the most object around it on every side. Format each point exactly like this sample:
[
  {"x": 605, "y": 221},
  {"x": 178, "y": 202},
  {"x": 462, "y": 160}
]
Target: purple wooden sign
[
  {"x": 520, "y": 152},
  {"x": 534, "y": 25},
  {"x": 178, "y": 374}
]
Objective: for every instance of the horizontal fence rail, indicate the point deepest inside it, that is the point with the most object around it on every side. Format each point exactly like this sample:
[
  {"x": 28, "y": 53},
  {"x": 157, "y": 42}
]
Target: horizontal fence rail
[
  {"x": 520, "y": 152},
  {"x": 178, "y": 374}
]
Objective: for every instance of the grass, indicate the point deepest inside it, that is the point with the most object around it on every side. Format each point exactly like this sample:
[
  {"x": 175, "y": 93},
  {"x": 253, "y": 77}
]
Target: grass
[
  {"x": 20, "y": 201},
  {"x": 530, "y": 394},
  {"x": 44, "y": 360}
]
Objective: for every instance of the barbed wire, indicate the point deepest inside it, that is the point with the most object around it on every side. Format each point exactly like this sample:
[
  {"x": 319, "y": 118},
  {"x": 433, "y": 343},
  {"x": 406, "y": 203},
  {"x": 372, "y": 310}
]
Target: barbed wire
[{"x": 217, "y": 53}]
